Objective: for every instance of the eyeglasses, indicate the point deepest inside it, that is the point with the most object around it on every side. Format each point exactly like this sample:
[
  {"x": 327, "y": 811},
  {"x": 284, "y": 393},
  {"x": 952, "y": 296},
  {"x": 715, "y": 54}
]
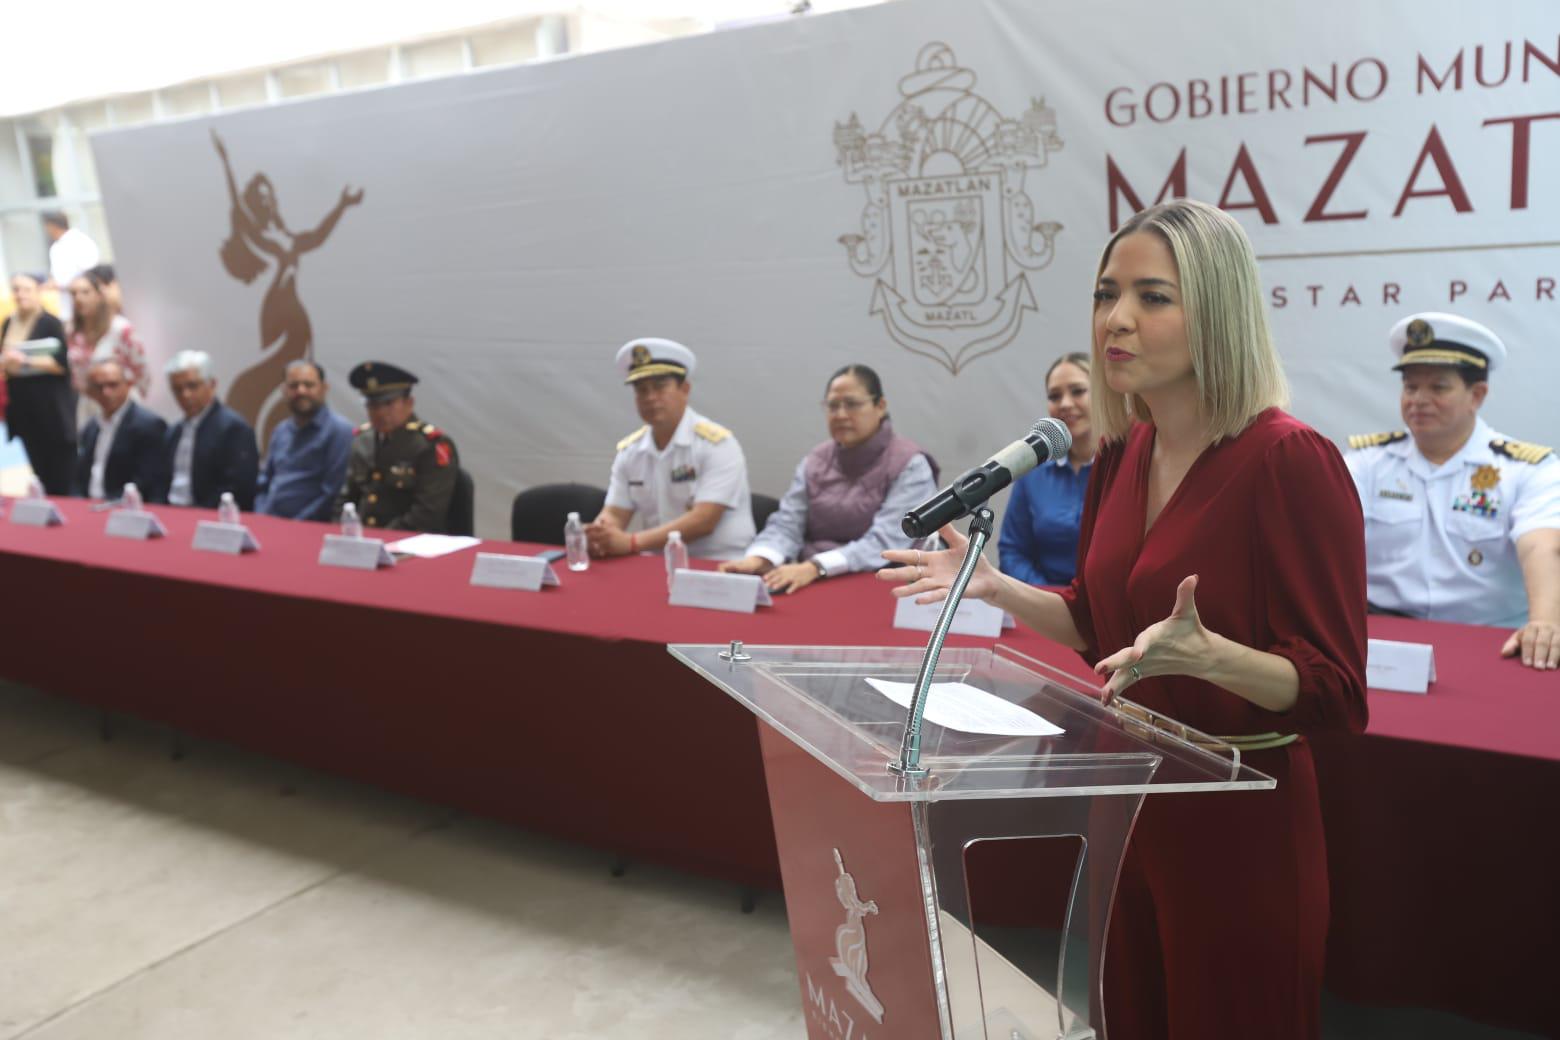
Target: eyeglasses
[{"x": 846, "y": 404}]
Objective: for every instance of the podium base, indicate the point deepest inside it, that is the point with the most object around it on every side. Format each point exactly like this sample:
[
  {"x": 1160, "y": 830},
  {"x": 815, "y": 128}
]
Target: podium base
[{"x": 878, "y": 897}]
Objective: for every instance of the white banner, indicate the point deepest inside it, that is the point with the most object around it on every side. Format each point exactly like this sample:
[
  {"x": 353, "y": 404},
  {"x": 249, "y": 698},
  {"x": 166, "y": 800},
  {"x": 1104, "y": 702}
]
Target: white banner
[{"x": 922, "y": 186}]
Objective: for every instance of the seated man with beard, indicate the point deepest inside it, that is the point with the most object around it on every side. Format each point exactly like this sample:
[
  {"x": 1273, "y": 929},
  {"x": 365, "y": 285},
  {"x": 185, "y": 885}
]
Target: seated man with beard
[{"x": 306, "y": 463}]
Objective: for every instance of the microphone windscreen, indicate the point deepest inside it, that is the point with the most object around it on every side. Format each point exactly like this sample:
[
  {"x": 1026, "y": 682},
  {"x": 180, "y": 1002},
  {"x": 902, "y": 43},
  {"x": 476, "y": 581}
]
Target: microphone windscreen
[{"x": 1057, "y": 438}]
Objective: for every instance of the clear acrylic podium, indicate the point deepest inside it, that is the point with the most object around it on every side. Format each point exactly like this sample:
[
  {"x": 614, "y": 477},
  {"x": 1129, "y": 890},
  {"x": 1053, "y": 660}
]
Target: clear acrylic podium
[{"x": 874, "y": 865}]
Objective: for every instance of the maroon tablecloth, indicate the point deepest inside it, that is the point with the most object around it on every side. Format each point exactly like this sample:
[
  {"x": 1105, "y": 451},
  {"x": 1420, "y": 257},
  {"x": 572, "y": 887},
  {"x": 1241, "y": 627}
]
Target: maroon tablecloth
[{"x": 562, "y": 711}]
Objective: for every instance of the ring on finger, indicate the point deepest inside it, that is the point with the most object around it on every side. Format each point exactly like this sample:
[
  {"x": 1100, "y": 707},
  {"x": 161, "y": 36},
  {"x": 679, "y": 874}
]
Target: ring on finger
[{"x": 1136, "y": 674}]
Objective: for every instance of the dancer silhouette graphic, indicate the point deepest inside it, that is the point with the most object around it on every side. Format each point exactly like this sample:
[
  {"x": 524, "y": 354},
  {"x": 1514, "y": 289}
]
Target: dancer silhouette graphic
[{"x": 258, "y": 240}]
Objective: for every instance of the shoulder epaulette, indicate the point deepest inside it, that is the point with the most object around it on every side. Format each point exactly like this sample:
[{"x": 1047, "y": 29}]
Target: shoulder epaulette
[
  {"x": 1375, "y": 440},
  {"x": 431, "y": 431},
  {"x": 712, "y": 432},
  {"x": 631, "y": 438},
  {"x": 1522, "y": 451}
]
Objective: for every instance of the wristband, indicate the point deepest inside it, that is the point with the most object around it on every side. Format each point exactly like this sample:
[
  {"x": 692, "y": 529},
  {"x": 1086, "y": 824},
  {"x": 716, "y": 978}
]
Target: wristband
[{"x": 633, "y": 542}]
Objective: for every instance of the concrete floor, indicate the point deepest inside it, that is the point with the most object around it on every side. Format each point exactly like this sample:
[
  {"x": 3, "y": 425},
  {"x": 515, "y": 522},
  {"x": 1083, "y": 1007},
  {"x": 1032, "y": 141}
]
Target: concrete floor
[
  {"x": 229, "y": 895},
  {"x": 232, "y": 896}
]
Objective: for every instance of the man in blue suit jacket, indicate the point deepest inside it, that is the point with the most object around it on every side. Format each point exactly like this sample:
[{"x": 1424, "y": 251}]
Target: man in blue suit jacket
[
  {"x": 212, "y": 449},
  {"x": 131, "y": 440}
]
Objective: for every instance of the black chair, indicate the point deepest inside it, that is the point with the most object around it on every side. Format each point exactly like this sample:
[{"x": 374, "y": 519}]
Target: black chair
[
  {"x": 539, "y": 513},
  {"x": 763, "y": 506},
  {"x": 462, "y": 515}
]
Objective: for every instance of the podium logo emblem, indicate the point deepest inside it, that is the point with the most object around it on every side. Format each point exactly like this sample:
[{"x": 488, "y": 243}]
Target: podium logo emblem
[
  {"x": 948, "y": 233},
  {"x": 850, "y": 942}
]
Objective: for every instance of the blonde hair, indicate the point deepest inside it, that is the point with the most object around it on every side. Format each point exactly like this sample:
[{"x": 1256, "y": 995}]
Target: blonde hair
[
  {"x": 1077, "y": 358},
  {"x": 1236, "y": 365}
]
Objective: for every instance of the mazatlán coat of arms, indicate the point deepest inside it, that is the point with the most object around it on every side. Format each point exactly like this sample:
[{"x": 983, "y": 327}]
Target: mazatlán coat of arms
[{"x": 948, "y": 234}]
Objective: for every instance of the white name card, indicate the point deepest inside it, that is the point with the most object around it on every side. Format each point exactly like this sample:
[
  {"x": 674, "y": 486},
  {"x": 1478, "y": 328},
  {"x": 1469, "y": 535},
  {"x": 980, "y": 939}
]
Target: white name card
[
  {"x": 135, "y": 524},
  {"x": 712, "y": 590},
  {"x": 1403, "y": 667},
  {"x": 503, "y": 571},
  {"x": 973, "y": 618},
  {"x": 35, "y": 512},
  {"x": 211, "y": 536},
  {"x": 363, "y": 554}
]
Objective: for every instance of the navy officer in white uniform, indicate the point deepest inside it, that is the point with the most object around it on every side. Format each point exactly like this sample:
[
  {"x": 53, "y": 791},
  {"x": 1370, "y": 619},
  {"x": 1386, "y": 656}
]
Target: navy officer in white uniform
[
  {"x": 679, "y": 471},
  {"x": 1461, "y": 523}
]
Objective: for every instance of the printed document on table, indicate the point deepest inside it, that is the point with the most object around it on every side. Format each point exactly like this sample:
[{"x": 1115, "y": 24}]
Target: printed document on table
[
  {"x": 960, "y": 706},
  {"x": 428, "y": 546}
]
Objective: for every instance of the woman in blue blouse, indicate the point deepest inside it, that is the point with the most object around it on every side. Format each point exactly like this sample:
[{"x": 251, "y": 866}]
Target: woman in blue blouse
[{"x": 1039, "y": 542}]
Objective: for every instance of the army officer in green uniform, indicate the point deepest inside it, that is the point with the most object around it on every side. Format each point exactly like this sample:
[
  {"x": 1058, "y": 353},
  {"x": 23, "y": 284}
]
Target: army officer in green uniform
[{"x": 401, "y": 472}]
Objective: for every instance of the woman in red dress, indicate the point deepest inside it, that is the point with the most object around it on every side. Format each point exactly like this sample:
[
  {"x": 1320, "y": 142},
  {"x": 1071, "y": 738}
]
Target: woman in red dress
[{"x": 1222, "y": 578}]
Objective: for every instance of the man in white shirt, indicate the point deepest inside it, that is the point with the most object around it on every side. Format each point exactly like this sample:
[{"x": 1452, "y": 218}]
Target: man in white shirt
[
  {"x": 124, "y": 444},
  {"x": 1461, "y": 522},
  {"x": 70, "y": 253},
  {"x": 678, "y": 472}
]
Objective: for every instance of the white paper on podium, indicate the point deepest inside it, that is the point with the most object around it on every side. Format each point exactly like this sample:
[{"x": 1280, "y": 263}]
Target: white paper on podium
[
  {"x": 973, "y": 618},
  {"x": 1402, "y": 667},
  {"x": 234, "y": 539},
  {"x": 503, "y": 571},
  {"x": 35, "y": 512},
  {"x": 427, "y": 546},
  {"x": 363, "y": 554},
  {"x": 962, "y": 707},
  {"x": 135, "y": 524},
  {"x": 712, "y": 590}
]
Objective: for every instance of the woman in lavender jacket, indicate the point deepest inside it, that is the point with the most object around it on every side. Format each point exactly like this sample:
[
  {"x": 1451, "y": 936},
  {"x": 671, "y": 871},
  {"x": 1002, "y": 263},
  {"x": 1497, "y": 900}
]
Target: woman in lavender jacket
[{"x": 848, "y": 496}]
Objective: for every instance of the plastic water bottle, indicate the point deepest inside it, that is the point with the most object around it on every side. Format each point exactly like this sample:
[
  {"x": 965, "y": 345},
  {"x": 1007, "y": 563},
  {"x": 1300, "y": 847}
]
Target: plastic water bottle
[
  {"x": 574, "y": 544},
  {"x": 130, "y": 498},
  {"x": 34, "y": 488},
  {"x": 676, "y": 556},
  {"x": 351, "y": 526},
  {"x": 227, "y": 510}
]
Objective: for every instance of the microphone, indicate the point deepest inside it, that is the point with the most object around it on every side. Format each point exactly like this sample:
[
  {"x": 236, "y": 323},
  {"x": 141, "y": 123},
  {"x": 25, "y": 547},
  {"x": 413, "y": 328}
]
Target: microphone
[{"x": 1047, "y": 441}]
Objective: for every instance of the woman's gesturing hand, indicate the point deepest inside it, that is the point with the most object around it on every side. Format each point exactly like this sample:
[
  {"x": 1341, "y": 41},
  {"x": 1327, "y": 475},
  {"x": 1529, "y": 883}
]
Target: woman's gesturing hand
[
  {"x": 928, "y": 575},
  {"x": 1178, "y": 645}
]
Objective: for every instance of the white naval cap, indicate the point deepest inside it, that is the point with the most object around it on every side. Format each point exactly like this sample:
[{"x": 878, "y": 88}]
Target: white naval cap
[
  {"x": 642, "y": 358},
  {"x": 1434, "y": 338}
]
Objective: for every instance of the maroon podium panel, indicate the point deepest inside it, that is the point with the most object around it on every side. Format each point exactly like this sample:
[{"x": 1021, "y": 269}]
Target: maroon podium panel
[{"x": 853, "y": 896}]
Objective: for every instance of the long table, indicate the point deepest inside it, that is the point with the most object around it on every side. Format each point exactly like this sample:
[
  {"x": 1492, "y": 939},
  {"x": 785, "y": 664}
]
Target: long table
[{"x": 561, "y": 711}]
